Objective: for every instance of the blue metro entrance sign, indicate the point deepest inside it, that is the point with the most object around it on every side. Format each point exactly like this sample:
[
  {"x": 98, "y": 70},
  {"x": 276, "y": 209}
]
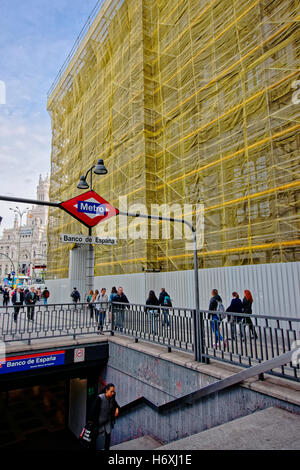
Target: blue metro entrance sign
[{"x": 89, "y": 208}]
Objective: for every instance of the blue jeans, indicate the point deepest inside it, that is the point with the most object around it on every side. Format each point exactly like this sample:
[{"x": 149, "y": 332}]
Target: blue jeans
[
  {"x": 119, "y": 319},
  {"x": 101, "y": 317},
  {"x": 45, "y": 300},
  {"x": 165, "y": 312},
  {"x": 215, "y": 327},
  {"x": 153, "y": 315}
]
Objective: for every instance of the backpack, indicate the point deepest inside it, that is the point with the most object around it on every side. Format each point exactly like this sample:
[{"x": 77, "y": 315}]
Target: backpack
[
  {"x": 47, "y": 294},
  {"x": 167, "y": 301},
  {"x": 221, "y": 311}
]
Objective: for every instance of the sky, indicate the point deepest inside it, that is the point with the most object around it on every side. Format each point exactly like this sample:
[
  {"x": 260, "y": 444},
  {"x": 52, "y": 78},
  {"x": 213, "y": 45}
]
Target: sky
[{"x": 36, "y": 37}]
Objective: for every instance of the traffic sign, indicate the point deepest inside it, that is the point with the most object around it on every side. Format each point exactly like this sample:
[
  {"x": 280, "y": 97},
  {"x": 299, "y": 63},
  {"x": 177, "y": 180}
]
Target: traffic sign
[
  {"x": 89, "y": 208},
  {"x": 79, "y": 355}
]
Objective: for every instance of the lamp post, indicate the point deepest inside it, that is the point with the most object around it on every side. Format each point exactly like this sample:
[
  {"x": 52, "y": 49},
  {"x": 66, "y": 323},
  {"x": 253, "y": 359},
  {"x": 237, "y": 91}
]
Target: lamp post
[
  {"x": 99, "y": 169},
  {"x": 18, "y": 211}
]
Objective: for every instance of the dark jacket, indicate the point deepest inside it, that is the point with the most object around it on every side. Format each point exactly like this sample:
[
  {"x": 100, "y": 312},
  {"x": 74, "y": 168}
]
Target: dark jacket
[
  {"x": 161, "y": 299},
  {"x": 213, "y": 304},
  {"x": 45, "y": 294},
  {"x": 75, "y": 295},
  {"x": 247, "y": 306},
  {"x": 14, "y": 297},
  {"x": 94, "y": 413},
  {"x": 236, "y": 306},
  {"x": 31, "y": 300},
  {"x": 5, "y": 295},
  {"x": 122, "y": 299},
  {"x": 153, "y": 301}
]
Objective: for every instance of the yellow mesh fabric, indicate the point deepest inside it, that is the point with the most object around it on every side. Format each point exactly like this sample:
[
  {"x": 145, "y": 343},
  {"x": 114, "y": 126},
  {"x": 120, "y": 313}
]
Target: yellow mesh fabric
[{"x": 187, "y": 101}]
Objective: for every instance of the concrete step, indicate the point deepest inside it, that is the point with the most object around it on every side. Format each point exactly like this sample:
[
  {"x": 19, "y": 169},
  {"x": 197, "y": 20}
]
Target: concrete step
[
  {"x": 270, "y": 429},
  {"x": 141, "y": 443}
]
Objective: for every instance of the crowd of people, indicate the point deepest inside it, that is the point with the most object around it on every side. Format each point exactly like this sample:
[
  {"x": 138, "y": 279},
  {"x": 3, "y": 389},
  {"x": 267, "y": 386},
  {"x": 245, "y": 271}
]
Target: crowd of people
[
  {"x": 99, "y": 306},
  {"x": 30, "y": 296},
  {"x": 237, "y": 306}
]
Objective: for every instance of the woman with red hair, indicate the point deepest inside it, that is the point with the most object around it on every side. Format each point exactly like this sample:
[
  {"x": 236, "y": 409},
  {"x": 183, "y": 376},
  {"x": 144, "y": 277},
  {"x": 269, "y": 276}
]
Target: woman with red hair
[{"x": 247, "y": 308}]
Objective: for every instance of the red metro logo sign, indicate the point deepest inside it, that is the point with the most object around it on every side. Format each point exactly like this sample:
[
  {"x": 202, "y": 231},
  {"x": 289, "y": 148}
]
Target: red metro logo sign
[{"x": 89, "y": 208}]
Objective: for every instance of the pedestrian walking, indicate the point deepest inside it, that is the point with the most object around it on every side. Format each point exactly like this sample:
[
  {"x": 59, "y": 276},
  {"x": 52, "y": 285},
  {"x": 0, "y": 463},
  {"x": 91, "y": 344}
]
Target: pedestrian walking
[
  {"x": 30, "y": 300},
  {"x": 236, "y": 306},
  {"x": 103, "y": 305},
  {"x": 39, "y": 294},
  {"x": 247, "y": 308},
  {"x": 45, "y": 295},
  {"x": 17, "y": 300},
  {"x": 214, "y": 303},
  {"x": 90, "y": 298},
  {"x": 75, "y": 296},
  {"x": 5, "y": 297},
  {"x": 153, "y": 312},
  {"x": 165, "y": 300},
  {"x": 122, "y": 299},
  {"x": 112, "y": 295},
  {"x": 102, "y": 417}
]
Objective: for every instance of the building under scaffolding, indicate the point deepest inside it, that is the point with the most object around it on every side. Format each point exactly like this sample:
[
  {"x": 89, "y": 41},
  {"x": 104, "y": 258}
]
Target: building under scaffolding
[{"x": 187, "y": 102}]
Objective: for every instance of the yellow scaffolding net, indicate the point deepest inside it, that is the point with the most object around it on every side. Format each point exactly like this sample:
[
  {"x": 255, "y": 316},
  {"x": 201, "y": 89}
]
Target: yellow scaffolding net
[{"x": 188, "y": 102}]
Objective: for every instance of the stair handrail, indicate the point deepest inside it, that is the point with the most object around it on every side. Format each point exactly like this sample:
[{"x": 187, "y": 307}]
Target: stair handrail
[{"x": 215, "y": 387}]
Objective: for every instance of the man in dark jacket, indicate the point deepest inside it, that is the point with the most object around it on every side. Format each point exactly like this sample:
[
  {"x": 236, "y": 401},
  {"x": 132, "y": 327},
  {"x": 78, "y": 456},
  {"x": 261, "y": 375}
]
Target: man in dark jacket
[
  {"x": 30, "y": 300},
  {"x": 75, "y": 295},
  {"x": 5, "y": 297},
  {"x": 102, "y": 416},
  {"x": 17, "y": 300},
  {"x": 45, "y": 295},
  {"x": 213, "y": 306},
  {"x": 165, "y": 299},
  {"x": 122, "y": 299}
]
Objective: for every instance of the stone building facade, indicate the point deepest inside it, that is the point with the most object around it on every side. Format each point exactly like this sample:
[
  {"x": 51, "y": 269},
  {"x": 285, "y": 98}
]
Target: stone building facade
[{"x": 25, "y": 245}]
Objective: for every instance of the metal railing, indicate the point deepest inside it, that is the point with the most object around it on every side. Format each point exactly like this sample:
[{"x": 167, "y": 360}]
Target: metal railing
[
  {"x": 239, "y": 339},
  {"x": 172, "y": 327},
  {"x": 27, "y": 323},
  {"x": 247, "y": 340}
]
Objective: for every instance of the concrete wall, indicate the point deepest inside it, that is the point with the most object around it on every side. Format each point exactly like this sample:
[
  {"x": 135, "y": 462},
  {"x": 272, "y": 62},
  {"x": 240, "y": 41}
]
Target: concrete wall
[
  {"x": 135, "y": 373},
  {"x": 275, "y": 287}
]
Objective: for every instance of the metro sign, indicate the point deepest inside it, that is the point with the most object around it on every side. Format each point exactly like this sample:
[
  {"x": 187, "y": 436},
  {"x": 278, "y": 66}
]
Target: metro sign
[{"x": 89, "y": 208}]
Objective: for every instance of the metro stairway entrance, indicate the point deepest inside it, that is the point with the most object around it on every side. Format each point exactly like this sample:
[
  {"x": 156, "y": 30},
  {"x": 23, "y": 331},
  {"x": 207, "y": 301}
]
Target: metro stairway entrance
[{"x": 36, "y": 417}]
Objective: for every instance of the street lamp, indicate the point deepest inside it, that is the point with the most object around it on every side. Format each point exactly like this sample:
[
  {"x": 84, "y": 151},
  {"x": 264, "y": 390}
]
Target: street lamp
[
  {"x": 18, "y": 211},
  {"x": 99, "y": 169}
]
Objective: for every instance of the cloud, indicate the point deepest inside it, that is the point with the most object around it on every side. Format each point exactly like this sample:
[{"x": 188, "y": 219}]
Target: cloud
[
  {"x": 24, "y": 154},
  {"x": 36, "y": 36}
]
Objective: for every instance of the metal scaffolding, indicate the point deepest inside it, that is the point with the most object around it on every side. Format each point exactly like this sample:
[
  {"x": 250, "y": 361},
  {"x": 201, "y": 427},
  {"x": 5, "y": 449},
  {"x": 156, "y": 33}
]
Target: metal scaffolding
[{"x": 187, "y": 102}]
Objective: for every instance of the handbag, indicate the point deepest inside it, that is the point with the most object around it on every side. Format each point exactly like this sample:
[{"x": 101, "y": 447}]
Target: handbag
[{"x": 87, "y": 435}]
